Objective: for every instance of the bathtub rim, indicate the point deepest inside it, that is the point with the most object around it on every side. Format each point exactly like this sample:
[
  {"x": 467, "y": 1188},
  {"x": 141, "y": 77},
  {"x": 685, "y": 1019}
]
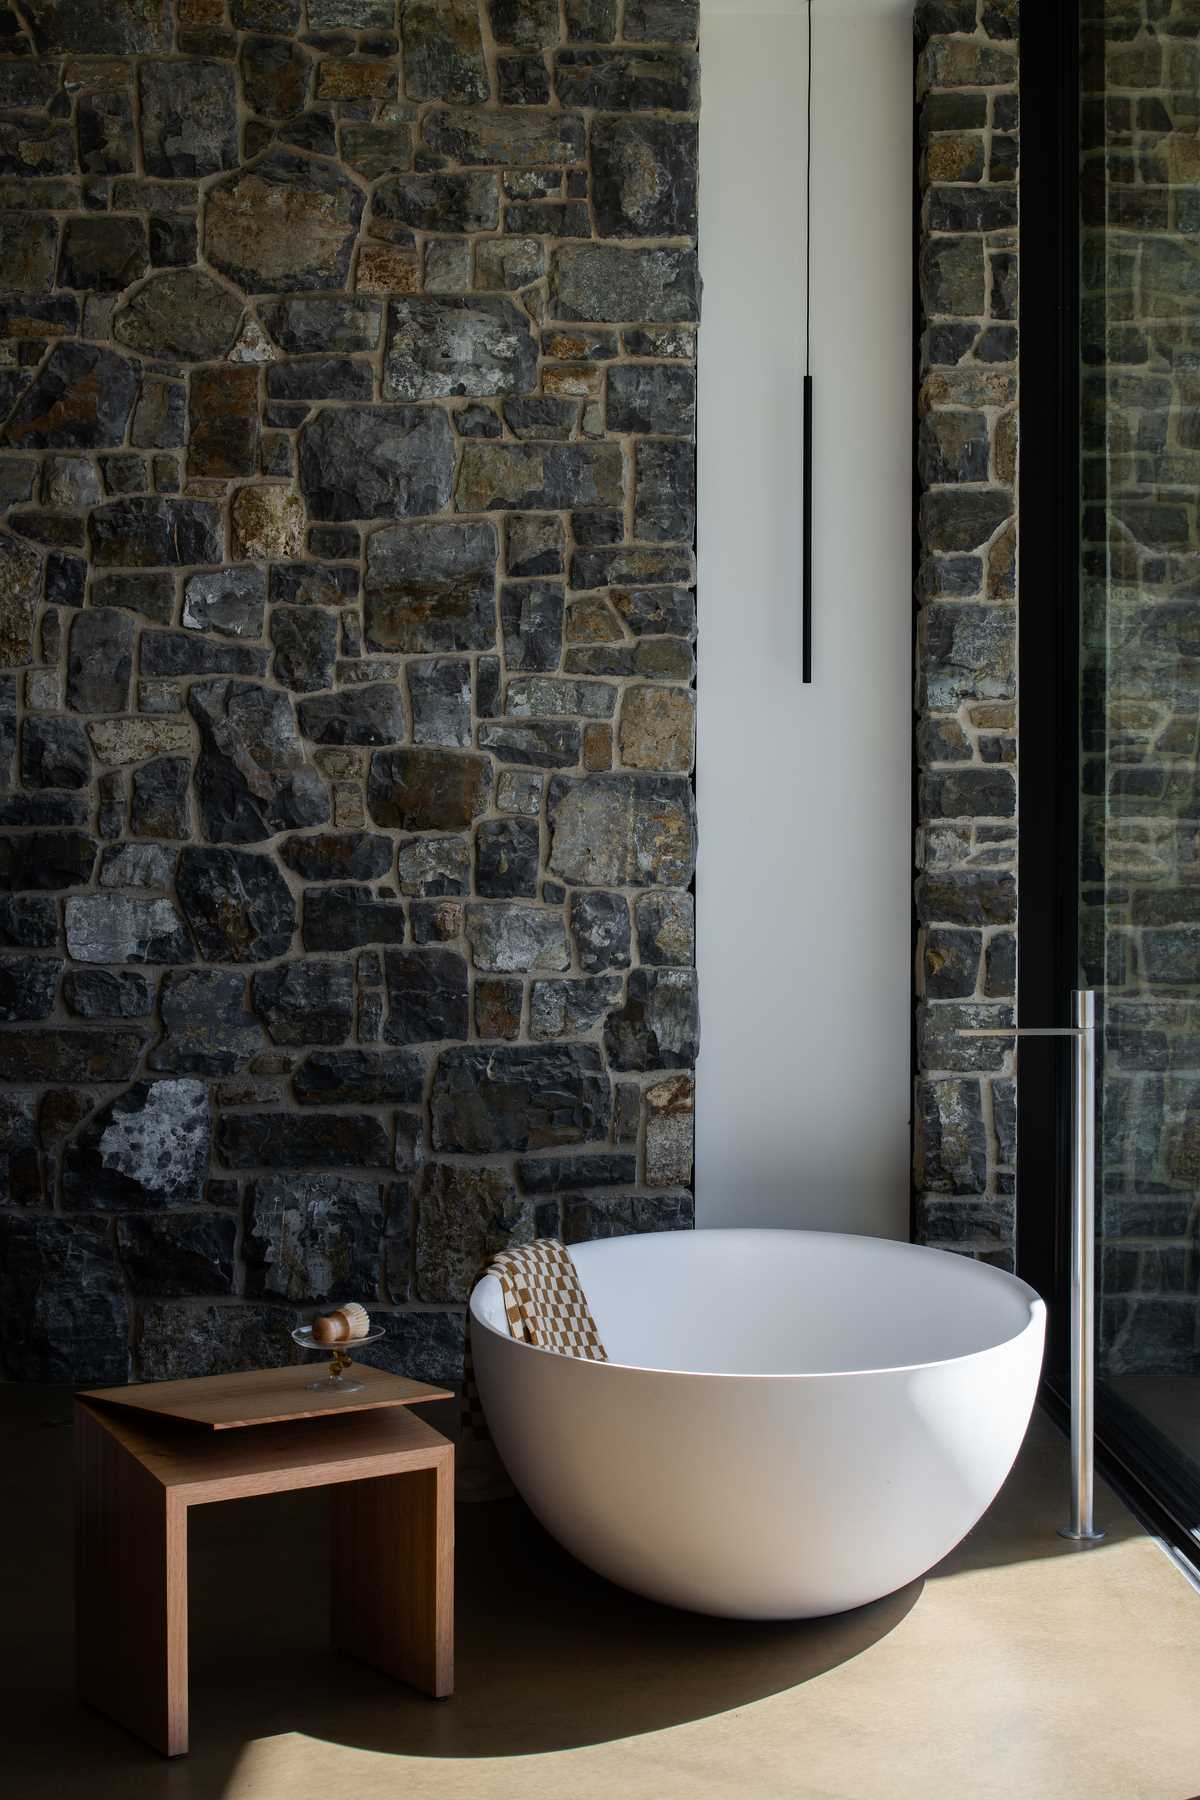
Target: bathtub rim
[{"x": 1035, "y": 1320}]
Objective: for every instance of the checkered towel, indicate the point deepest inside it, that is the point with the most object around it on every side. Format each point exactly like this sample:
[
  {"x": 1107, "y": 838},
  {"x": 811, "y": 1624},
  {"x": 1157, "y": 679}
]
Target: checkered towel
[{"x": 544, "y": 1304}]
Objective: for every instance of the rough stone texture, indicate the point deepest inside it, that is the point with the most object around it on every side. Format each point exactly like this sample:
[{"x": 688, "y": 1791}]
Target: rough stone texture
[
  {"x": 345, "y": 655},
  {"x": 315, "y": 1237},
  {"x": 966, "y": 622}
]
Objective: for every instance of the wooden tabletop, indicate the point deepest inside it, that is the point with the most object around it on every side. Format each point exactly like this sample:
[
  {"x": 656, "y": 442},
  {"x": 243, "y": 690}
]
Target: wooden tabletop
[{"x": 263, "y": 1396}]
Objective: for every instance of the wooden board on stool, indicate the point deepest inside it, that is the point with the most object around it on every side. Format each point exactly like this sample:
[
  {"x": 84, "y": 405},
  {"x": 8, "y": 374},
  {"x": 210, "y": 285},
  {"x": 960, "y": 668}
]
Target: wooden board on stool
[{"x": 264, "y": 1396}]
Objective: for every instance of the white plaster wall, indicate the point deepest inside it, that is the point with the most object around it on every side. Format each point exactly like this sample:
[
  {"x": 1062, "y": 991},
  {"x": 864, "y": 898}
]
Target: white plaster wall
[{"x": 804, "y": 792}]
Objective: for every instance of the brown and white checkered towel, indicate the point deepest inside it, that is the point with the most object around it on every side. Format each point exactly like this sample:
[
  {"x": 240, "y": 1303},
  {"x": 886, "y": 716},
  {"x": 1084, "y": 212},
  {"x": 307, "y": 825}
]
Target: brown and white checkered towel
[{"x": 544, "y": 1304}]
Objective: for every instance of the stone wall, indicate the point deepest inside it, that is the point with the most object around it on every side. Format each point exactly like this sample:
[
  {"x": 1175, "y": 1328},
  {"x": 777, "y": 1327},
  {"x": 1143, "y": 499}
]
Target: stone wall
[
  {"x": 1141, "y": 892},
  {"x": 346, "y": 629},
  {"x": 966, "y": 853}
]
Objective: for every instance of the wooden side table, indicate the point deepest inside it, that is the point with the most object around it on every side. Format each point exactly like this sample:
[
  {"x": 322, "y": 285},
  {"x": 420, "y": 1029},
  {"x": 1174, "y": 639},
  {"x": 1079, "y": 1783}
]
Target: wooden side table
[{"x": 139, "y": 1467}]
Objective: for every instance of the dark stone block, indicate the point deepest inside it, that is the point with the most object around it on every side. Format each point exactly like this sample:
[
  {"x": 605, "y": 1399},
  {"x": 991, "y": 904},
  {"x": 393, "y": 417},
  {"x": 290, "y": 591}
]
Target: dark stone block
[
  {"x": 600, "y": 928},
  {"x": 427, "y": 790},
  {"x": 307, "y": 584},
  {"x": 322, "y": 378},
  {"x": 622, "y": 81},
  {"x": 181, "y": 1339},
  {"x": 314, "y": 1238},
  {"x": 28, "y": 985},
  {"x": 361, "y": 1078},
  {"x": 112, "y": 928},
  {"x": 425, "y": 1346},
  {"x": 252, "y": 779},
  {"x": 523, "y": 80},
  {"x": 156, "y": 533},
  {"x": 974, "y": 207},
  {"x": 456, "y": 202},
  {"x": 63, "y": 1312},
  {"x": 540, "y": 744},
  {"x": 376, "y": 462},
  {"x": 99, "y": 663},
  {"x": 66, "y": 579},
  {"x": 208, "y": 1029},
  {"x": 534, "y": 545},
  {"x": 619, "y": 565},
  {"x": 108, "y": 994},
  {"x": 477, "y": 422},
  {"x": 570, "y": 1009},
  {"x": 370, "y": 714},
  {"x": 427, "y": 996},
  {"x": 542, "y": 416},
  {"x": 666, "y": 930},
  {"x": 54, "y": 753},
  {"x": 440, "y": 694},
  {"x": 526, "y": 1097},
  {"x": 529, "y": 24},
  {"x": 506, "y": 858},
  {"x": 623, "y": 1215},
  {"x": 46, "y": 859},
  {"x": 160, "y": 804},
  {"x": 951, "y": 968},
  {"x": 28, "y": 921},
  {"x": 183, "y": 314},
  {"x": 290, "y": 1140},
  {"x": 324, "y": 322},
  {"x": 951, "y": 1137},
  {"x": 658, "y": 1027},
  {"x": 644, "y": 176},
  {"x": 443, "y": 52},
  {"x": 968, "y": 793},
  {"x": 102, "y": 253},
  {"x": 430, "y": 586},
  {"x": 305, "y": 643},
  {"x": 184, "y": 1254},
  {"x": 145, "y": 1151},
  {"x": 306, "y": 1002},
  {"x": 57, "y": 807},
  {"x": 230, "y": 602},
  {"x": 222, "y": 423},
  {"x": 188, "y": 113},
  {"x": 172, "y": 241},
  {"x": 665, "y": 492},
  {"x": 151, "y": 595},
  {"x": 972, "y": 897},
  {"x": 531, "y": 619},
  {"x": 962, "y": 519},
  {"x": 184, "y": 653},
  {"x": 662, "y": 21},
  {"x": 338, "y": 856},
  {"x": 346, "y": 917},
  {"x": 464, "y": 1216},
  {"x": 561, "y": 1174},
  {"x": 941, "y": 1046},
  {"x": 276, "y": 77},
  {"x": 81, "y": 400},
  {"x": 238, "y": 904}
]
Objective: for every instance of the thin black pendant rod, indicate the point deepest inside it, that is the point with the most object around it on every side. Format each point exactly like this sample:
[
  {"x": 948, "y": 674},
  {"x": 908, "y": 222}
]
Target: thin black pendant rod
[{"x": 806, "y": 539}]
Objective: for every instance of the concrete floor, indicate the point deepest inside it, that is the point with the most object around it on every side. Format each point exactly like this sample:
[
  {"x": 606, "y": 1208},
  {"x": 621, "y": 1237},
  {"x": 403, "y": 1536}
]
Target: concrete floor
[{"x": 1021, "y": 1668}]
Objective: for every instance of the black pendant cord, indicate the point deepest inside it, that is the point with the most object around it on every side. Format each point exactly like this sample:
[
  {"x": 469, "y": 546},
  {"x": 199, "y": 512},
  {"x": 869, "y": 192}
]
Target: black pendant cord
[{"x": 806, "y": 539}]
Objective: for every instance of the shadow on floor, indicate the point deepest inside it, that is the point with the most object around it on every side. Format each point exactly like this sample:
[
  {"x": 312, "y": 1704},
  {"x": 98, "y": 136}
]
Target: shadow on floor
[{"x": 549, "y": 1656}]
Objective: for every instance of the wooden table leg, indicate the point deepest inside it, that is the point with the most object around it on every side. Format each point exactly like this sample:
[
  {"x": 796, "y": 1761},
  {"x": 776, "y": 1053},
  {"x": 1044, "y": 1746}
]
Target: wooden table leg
[
  {"x": 393, "y": 1574},
  {"x": 130, "y": 1591}
]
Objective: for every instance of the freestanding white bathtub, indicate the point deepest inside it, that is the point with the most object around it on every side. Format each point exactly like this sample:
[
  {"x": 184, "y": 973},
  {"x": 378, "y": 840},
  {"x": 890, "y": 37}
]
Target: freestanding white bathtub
[{"x": 791, "y": 1423}]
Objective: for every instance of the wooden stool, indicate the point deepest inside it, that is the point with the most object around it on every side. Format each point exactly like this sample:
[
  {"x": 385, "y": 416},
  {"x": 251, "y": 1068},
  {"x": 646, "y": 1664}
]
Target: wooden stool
[{"x": 145, "y": 1454}]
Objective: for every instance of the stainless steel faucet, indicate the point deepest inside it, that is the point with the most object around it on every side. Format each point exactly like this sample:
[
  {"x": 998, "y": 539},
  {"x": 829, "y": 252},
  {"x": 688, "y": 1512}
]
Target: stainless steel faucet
[{"x": 1082, "y": 1032}]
